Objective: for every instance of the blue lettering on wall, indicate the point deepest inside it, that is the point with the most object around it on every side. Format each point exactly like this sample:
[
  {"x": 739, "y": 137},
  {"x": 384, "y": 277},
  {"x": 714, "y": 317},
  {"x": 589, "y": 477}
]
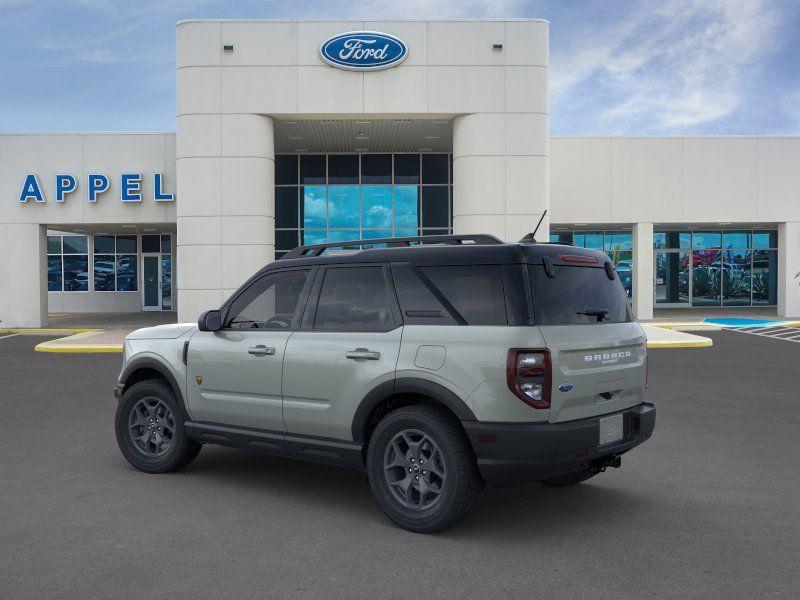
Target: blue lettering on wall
[
  {"x": 158, "y": 195},
  {"x": 31, "y": 190},
  {"x": 98, "y": 183},
  {"x": 131, "y": 188},
  {"x": 65, "y": 184}
]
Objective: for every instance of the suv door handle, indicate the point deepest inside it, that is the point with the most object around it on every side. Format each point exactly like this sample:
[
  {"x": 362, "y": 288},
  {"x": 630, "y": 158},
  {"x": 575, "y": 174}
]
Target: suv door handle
[
  {"x": 363, "y": 354},
  {"x": 261, "y": 350}
]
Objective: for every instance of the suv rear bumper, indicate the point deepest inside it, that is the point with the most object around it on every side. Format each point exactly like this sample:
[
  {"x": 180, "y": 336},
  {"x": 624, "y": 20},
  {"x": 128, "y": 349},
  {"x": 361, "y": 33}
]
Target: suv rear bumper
[{"x": 527, "y": 452}]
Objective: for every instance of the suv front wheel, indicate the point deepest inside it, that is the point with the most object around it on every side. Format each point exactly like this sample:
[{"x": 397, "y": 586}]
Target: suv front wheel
[
  {"x": 149, "y": 428},
  {"x": 422, "y": 470}
]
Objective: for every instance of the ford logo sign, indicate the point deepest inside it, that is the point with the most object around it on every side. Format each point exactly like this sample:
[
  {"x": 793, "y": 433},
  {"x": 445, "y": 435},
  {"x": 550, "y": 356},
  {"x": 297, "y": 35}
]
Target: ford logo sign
[
  {"x": 363, "y": 51},
  {"x": 565, "y": 387}
]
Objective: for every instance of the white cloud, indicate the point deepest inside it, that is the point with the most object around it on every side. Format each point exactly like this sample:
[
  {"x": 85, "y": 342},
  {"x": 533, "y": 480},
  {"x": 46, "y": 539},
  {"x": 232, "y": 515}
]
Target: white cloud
[{"x": 669, "y": 69}]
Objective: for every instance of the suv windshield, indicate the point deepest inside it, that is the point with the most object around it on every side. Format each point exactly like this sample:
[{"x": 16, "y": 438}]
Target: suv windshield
[{"x": 577, "y": 295}]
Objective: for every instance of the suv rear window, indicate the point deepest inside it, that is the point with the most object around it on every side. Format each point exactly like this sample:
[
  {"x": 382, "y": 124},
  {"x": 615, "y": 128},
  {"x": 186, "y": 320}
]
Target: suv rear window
[{"x": 577, "y": 296}]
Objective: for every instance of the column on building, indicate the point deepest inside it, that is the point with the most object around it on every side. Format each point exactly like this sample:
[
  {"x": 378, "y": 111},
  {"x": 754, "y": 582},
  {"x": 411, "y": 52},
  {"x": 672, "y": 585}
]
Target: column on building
[
  {"x": 226, "y": 222},
  {"x": 643, "y": 270},
  {"x": 500, "y": 174},
  {"x": 23, "y": 271},
  {"x": 788, "y": 268}
]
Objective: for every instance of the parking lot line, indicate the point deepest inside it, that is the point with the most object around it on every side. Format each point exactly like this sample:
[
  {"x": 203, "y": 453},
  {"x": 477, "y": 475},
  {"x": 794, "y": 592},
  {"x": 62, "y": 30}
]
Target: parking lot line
[{"x": 2, "y": 337}]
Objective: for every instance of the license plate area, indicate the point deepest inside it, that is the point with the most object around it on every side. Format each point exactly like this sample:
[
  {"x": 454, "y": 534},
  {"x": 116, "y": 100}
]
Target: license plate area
[{"x": 612, "y": 429}]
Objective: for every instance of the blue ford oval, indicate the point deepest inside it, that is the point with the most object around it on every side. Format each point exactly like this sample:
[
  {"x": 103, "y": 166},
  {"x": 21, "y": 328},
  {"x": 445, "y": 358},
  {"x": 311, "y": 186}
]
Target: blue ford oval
[
  {"x": 363, "y": 50},
  {"x": 565, "y": 387}
]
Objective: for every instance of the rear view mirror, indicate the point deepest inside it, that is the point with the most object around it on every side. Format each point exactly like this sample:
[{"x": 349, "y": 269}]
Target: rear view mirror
[{"x": 211, "y": 320}]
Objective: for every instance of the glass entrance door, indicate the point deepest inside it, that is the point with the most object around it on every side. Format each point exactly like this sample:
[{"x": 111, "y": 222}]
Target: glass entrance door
[{"x": 151, "y": 282}]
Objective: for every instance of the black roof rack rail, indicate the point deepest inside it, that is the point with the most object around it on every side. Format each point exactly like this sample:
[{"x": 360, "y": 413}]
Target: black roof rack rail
[{"x": 314, "y": 250}]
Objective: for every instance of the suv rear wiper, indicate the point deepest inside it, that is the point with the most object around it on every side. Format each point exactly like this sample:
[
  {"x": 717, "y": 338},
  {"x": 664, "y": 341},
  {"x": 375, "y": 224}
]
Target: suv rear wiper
[{"x": 600, "y": 313}]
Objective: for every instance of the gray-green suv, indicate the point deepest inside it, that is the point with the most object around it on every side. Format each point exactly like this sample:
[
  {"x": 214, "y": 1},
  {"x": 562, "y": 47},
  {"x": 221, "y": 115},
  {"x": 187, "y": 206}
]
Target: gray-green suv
[{"x": 437, "y": 365}]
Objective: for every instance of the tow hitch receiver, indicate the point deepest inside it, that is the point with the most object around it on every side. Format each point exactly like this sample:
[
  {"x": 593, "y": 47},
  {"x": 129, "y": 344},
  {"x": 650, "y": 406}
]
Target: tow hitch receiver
[{"x": 601, "y": 464}]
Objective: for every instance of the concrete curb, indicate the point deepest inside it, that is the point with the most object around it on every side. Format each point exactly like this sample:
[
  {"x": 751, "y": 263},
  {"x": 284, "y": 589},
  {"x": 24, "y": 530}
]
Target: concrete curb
[{"x": 65, "y": 349}]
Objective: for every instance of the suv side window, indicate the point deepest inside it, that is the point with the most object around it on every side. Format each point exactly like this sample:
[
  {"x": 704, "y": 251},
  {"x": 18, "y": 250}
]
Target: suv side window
[
  {"x": 475, "y": 291},
  {"x": 269, "y": 303},
  {"x": 354, "y": 299}
]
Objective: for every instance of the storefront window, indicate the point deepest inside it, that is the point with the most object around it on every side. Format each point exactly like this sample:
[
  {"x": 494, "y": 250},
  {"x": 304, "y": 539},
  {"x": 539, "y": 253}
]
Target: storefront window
[
  {"x": 719, "y": 268},
  {"x": 67, "y": 263},
  {"x": 116, "y": 271},
  {"x": 339, "y": 197}
]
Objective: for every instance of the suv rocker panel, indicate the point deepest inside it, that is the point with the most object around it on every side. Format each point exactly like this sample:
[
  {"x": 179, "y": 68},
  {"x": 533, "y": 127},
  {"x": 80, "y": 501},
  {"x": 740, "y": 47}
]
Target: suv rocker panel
[{"x": 314, "y": 449}]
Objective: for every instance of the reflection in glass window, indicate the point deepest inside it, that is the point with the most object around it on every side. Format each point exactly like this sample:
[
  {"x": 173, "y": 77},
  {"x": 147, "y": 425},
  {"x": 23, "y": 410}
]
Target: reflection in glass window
[
  {"x": 286, "y": 169},
  {"x": 736, "y": 277},
  {"x": 314, "y": 206},
  {"x": 672, "y": 278},
  {"x": 126, "y": 273},
  {"x": 286, "y": 240},
  {"x": 54, "y": 278},
  {"x": 406, "y": 168},
  {"x": 54, "y": 244},
  {"x": 104, "y": 272},
  {"x": 765, "y": 239},
  {"x": 166, "y": 282},
  {"x": 706, "y": 277},
  {"x": 314, "y": 236},
  {"x": 618, "y": 241},
  {"x": 765, "y": 277},
  {"x": 435, "y": 168},
  {"x": 76, "y": 273},
  {"x": 376, "y": 168},
  {"x": 376, "y": 234},
  {"x": 286, "y": 207},
  {"x": 706, "y": 239},
  {"x": 166, "y": 244},
  {"x": 343, "y": 206},
  {"x": 353, "y": 299},
  {"x": 435, "y": 206},
  {"x": 736, "y": 239},
  {"x": 376, "y": 206},
  {"x": 151, "y": 243},
  {"x": 594, "y": 241},
  {"x": 406, "y": 211},
  {"x": 75, "y": 244}
]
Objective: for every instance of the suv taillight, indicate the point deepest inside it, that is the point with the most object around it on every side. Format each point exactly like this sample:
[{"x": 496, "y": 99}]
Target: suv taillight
[{"x": 529, "y": 376}]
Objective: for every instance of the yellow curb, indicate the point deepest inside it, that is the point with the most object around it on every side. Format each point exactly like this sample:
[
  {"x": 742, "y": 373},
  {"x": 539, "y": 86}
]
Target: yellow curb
[
  {"x": 704, "y": 343},
  {"x": 64, "y": 349},
  {"x": 46, "y": 331}
]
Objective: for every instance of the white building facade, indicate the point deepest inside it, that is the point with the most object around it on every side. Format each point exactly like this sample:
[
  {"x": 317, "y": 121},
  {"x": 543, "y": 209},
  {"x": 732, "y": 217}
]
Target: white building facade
[{"x": 281, "y": 143}]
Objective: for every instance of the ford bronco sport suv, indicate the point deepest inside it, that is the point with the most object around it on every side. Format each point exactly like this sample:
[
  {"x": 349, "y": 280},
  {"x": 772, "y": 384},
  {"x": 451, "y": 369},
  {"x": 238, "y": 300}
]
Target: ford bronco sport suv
[{"x": 437, "y": 365}]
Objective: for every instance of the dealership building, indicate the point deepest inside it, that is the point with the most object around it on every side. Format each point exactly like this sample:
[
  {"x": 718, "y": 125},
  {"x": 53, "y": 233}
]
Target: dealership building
[{"x": 306, "y": 132}]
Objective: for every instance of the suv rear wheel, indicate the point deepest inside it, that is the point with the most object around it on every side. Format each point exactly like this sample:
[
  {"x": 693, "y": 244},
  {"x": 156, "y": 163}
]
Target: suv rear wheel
[
  {"x": 422, "y": 470},
  {"x": 149, "y": 428}
]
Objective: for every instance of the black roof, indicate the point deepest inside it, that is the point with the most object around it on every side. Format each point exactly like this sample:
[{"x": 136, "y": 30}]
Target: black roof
[{"x": 441, "y": 250}]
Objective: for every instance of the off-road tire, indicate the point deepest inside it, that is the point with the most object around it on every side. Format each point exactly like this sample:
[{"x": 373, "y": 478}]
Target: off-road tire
[
  {"x": 462, "y": 485},
  {"x": 569, "y": 479},
  {"x": 181, "y": 450}
]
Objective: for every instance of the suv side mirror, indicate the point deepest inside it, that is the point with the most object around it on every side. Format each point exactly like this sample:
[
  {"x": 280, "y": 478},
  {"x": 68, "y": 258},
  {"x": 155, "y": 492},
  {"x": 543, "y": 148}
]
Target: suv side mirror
[{"x": 211, "y": 320}]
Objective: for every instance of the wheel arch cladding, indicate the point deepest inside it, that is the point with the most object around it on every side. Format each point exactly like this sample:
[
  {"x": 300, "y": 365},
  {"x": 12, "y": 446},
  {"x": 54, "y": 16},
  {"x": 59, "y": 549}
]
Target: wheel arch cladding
[
  {"x": 403, "y": 392},
  {"x": 149, "y": 368}
]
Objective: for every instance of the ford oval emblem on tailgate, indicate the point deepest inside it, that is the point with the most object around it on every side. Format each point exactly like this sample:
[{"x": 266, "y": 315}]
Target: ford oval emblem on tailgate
[{"x": 565, "y": 387}]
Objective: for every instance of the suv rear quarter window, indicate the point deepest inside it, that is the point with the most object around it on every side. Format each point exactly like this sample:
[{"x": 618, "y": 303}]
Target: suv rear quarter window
[{"x": 475, "y": 291}]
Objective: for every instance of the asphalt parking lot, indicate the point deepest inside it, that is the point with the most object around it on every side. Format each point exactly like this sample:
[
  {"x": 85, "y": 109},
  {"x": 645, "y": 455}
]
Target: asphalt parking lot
[{"x": 709, "y": 508}]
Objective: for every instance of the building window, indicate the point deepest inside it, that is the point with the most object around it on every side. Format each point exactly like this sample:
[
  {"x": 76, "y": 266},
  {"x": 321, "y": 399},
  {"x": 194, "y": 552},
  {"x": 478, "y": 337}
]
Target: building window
[
  {"x": 324, "y": 198},
  {"x": 617, "y": 244},
  {"x": 115, "y": 263},
  {"x": 67, "y": 263},
  {"x": 716, "y": 268}
]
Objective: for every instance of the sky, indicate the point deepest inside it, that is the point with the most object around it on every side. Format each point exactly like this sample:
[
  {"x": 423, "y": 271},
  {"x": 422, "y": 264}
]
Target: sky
[{"x": 617, "y": 67}]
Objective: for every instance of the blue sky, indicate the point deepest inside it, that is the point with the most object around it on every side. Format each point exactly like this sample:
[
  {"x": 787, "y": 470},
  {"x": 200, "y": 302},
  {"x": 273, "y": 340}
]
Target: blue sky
[{"x": 617, "y": 67}]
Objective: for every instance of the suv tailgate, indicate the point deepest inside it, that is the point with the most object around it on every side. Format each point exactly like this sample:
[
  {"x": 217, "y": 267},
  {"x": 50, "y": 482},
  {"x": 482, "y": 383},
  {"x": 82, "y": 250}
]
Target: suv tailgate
[{"x": 600, "y": 367}]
